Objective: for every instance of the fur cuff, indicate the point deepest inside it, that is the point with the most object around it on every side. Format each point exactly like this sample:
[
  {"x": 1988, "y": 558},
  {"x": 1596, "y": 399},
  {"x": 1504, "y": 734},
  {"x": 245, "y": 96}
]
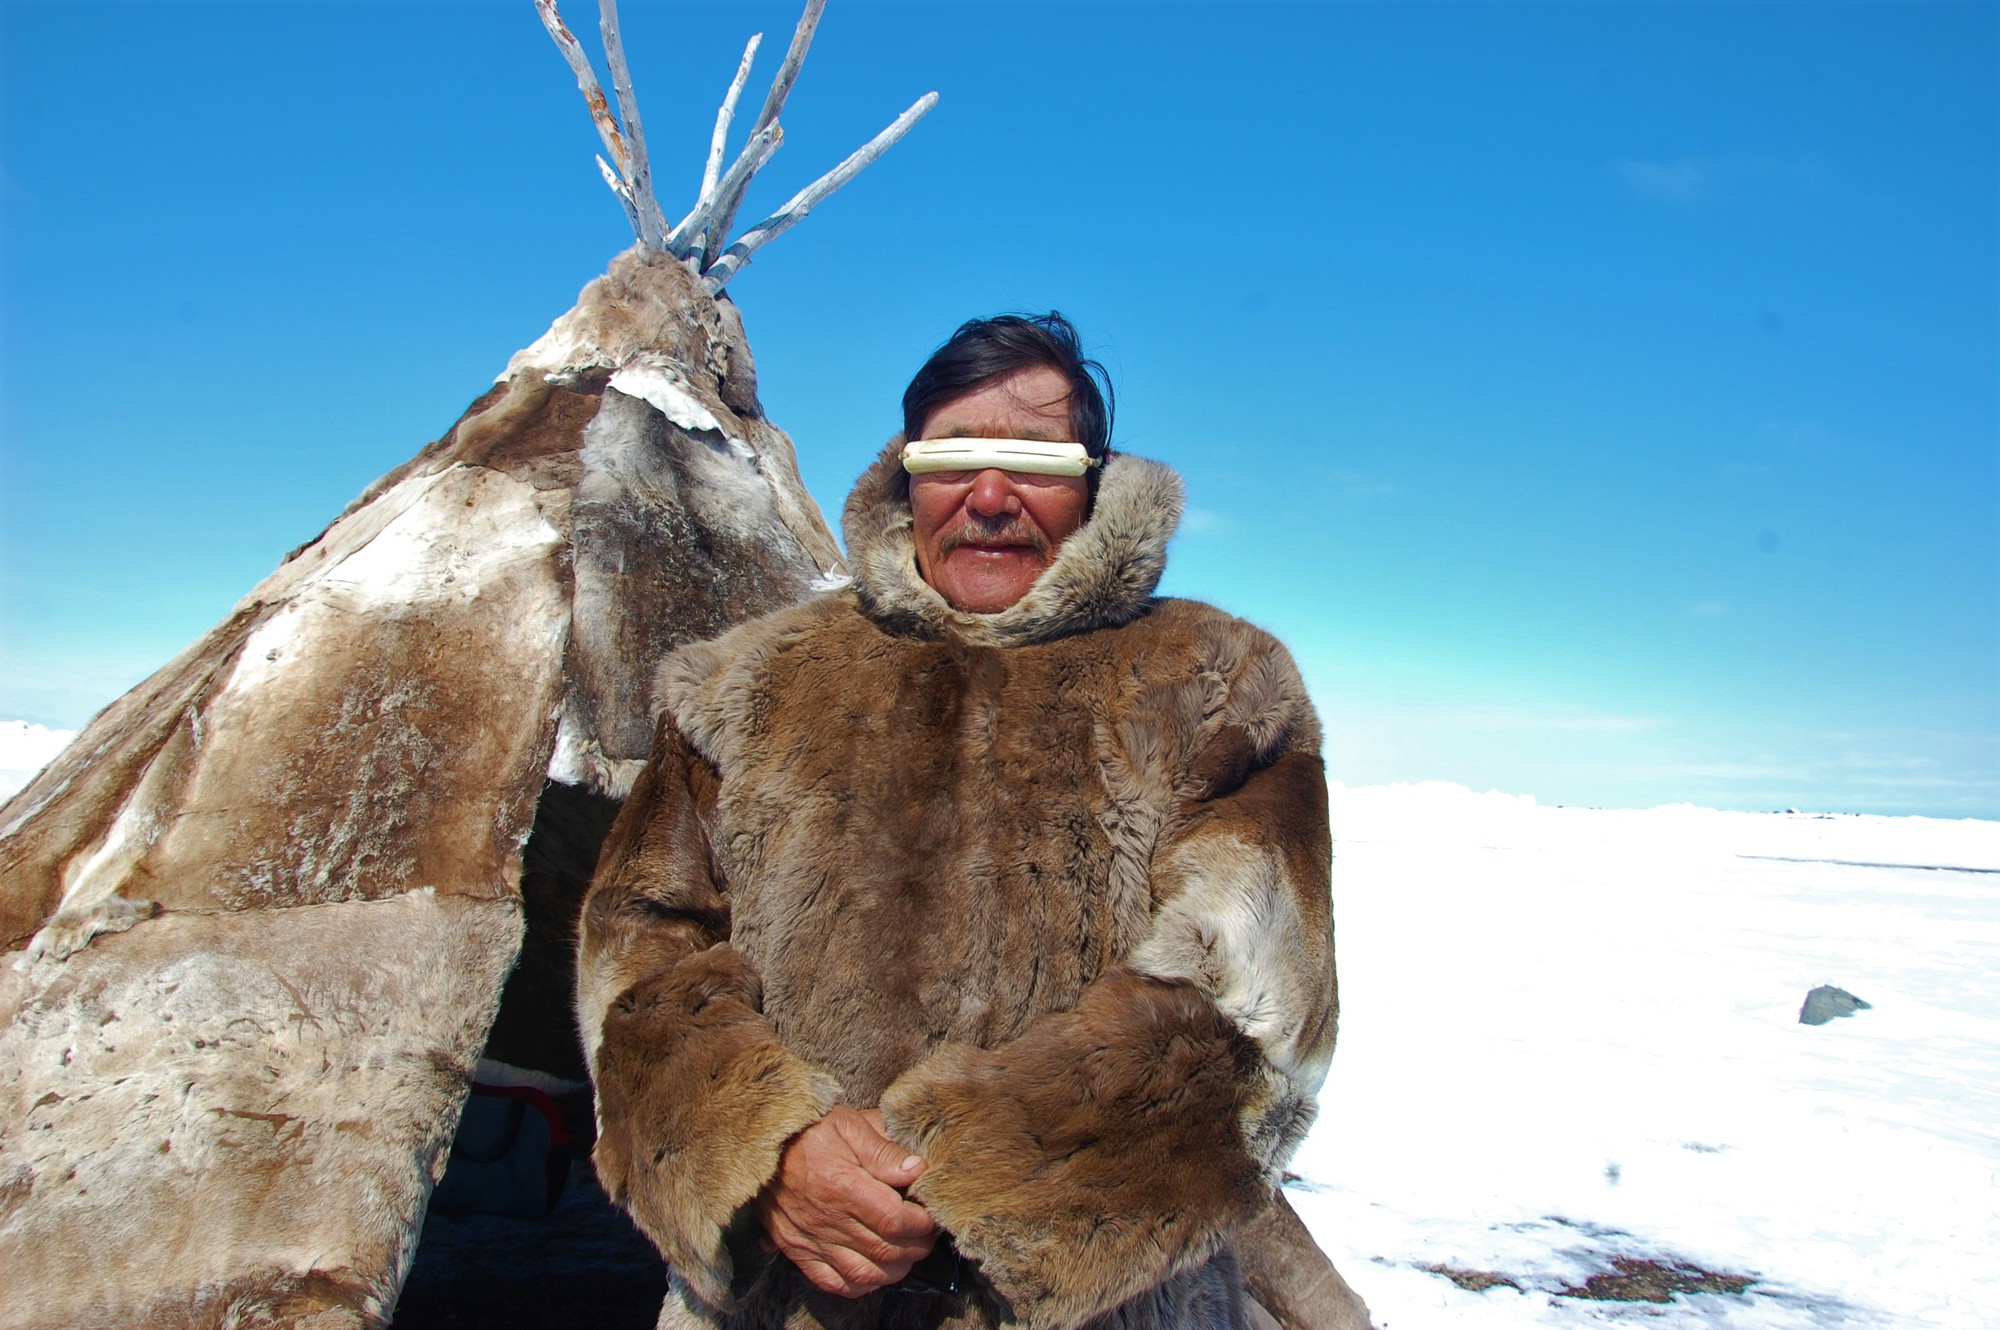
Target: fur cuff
[
  {"x": 696, "y": 1098},
  {"x": 1095, "y": 1156}
]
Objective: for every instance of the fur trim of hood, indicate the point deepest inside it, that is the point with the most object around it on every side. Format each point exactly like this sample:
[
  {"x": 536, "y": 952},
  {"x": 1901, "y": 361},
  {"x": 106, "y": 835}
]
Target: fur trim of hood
[{"x": 1103, "y": 575}]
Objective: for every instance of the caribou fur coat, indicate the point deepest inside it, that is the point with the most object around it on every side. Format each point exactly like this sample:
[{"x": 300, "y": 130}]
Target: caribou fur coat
[{"x": 1048, "y": 886}]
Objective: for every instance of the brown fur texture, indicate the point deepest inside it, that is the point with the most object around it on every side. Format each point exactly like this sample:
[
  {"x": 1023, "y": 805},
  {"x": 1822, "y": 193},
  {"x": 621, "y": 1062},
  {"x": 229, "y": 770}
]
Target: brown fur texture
[
  {"x": 254, "y": 922},
  {"x": 1049, "y": 886},
  {"x": 220, "y": 1120},
  {"x": 1099, "y": 1149}
]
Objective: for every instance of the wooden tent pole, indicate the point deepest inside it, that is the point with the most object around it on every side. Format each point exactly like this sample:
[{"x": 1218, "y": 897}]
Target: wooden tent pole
[
  {"x": 718, "y": 142},
  {"x": 639, "y": 175},
  {"x": 784, "y": 219},
  {"x": 701, "y": 238},
  {"x": 774, "y": 104}
]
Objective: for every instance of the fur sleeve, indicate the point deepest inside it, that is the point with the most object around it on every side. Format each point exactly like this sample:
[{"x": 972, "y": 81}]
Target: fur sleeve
[
  {"x": 1109, "y": 1147},
  {"x": 695, "y": 1095}
]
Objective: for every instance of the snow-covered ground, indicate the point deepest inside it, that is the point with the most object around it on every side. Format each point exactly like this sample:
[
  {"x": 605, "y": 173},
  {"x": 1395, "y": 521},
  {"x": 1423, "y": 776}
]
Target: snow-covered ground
[{"x": 1571, "y": 1036}]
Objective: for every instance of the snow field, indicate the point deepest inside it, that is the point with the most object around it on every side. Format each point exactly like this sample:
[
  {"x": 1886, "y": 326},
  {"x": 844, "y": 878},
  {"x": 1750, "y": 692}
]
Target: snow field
[{"x": 1571, "y": 1035}]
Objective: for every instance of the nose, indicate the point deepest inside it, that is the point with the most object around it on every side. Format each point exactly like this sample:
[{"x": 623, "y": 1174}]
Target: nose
[{"x": 992, "y": 494}]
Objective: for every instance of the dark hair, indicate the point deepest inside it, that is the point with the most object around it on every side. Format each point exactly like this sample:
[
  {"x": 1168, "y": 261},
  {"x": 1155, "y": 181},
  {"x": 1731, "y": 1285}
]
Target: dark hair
[{"x": 985, "y": 349}]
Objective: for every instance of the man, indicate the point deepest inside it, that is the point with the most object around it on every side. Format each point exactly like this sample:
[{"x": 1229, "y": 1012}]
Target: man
[{"x": 972, "y": 921}]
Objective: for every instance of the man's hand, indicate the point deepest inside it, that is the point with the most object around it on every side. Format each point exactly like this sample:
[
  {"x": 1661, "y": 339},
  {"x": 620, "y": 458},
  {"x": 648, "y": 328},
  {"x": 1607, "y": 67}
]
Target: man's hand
[{"x": 836, "y": 1207}]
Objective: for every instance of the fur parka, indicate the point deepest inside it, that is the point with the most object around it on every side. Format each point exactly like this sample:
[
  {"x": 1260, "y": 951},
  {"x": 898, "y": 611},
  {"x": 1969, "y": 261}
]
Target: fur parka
[{"x": 1048, "y": 886}]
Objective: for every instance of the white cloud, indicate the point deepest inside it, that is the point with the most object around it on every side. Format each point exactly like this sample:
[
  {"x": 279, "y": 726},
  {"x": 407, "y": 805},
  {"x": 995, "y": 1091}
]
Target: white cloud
[
  {"x": 1709, "y": 609},
  {"x": 24, "y": 750},
  {"x": 1204, "y": 522}
]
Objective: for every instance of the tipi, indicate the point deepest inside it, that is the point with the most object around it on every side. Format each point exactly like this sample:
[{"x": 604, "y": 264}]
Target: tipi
[
  {"x": 256, "y": 921},
  {"x": 258, "y": 916}
]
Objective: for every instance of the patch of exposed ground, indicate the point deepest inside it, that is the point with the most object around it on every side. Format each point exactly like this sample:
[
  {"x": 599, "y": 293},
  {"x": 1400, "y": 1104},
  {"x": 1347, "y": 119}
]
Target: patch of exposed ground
[
  {"x": 1633, "y": 1279},
  {"x": 1473, "y": 1281},
  {"x": 1629, "y": 1278}
]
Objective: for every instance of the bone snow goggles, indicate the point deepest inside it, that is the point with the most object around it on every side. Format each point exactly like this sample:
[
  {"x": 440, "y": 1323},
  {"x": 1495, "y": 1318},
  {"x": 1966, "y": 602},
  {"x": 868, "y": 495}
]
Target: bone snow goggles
[{"x": 1030, "y": 455}]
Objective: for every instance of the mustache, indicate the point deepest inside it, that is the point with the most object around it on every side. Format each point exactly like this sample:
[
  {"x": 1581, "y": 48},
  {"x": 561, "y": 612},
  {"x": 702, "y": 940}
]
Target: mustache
[{"x": 997, "y": 531}]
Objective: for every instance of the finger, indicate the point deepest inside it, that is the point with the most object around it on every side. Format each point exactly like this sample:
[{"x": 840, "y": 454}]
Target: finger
[
  {"x": 894, "y": 1232},
  {"x": 865, "y": 1217},
  {"x": 843, "y": 1191},
  {"x": 873, "y": 1118},
  {"x": 863, "y": 1206},
  {"x": 901, "y": 1222},
  {"x": 911, "y": 1252},
  {"x": 881, "y": 1265},
  {"x": 852, "y": 1272},
  {"x": 891, "y": 1252},
  {"x": 847, "y": 1271},
  {"x": 898, "y": 1270},
  {"x": 858, "y": 1270},
  {"x": 823, "y": 1261},
  {"x": 827, "y": 1279},
  {"x": 885, "y": 1160}
]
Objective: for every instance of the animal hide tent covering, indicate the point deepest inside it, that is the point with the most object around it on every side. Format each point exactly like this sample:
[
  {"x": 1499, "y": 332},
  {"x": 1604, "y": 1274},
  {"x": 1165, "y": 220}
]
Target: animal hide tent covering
[{"x": 256, "y": 919}]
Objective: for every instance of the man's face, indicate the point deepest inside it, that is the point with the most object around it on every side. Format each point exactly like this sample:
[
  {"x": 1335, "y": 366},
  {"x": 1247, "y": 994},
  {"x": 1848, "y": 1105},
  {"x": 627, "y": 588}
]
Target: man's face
[{"x": 983, "y": 537}]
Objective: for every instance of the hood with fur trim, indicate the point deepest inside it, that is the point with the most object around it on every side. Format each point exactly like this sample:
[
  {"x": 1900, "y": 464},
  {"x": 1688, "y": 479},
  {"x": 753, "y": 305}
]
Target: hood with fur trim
[
  {"x": 1048, "y": 888},
  {"x": 1103, "y": 575}
]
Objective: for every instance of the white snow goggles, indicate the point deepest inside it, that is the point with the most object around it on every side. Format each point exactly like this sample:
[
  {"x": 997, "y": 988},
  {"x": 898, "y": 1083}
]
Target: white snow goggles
[{"x": 1031, "y": 455}]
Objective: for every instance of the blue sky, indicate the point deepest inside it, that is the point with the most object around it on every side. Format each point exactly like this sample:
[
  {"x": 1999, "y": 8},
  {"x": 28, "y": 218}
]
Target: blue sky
[{"x": 1601, "y": 399}]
